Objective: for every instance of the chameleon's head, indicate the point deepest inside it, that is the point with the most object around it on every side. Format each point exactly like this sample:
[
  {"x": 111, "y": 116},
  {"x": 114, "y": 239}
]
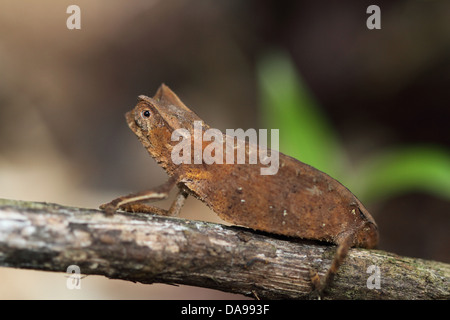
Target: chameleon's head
[
  {"x": 145, "y": 116},
  {"x": 154, "y": 120},
  {"x": 164, "y": 109},
  {"x": 149, "y": 126}
]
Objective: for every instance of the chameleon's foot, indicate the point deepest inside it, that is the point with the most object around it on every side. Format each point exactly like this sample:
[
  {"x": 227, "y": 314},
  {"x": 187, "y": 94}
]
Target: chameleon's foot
[
  {"x": 109, "y": 208},
  {"x": 315, "y": 279},
  {"x": 318, "y": 287}
]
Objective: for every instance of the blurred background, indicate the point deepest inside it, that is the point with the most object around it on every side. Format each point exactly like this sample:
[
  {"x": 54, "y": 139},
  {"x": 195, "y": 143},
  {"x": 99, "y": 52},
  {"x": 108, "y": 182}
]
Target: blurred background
[{"x": 369, "y": 107}]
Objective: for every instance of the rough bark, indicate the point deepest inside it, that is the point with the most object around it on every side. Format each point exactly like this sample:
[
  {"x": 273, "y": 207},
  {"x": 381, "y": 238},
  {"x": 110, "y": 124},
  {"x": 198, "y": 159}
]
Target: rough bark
[{"x": 155, "y": 249}]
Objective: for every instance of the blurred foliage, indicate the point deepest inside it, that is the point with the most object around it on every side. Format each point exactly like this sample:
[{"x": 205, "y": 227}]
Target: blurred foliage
[
  {"x": 306, "y": 135},
  {"x": 287, "y": 104},
  {"x": 407, "y": 168}
]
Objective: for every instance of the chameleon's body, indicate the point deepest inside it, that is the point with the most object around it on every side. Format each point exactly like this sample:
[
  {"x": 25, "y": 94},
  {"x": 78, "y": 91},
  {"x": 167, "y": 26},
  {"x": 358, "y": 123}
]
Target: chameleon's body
[{"x": 298, "y": 200}]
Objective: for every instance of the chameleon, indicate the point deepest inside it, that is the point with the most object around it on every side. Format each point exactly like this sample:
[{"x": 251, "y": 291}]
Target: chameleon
[{"x": 298, "y": 201}]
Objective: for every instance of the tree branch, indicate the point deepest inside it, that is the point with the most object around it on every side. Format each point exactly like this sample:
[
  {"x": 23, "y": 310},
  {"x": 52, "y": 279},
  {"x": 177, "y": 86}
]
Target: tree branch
[{"x": 149, "y": 249}]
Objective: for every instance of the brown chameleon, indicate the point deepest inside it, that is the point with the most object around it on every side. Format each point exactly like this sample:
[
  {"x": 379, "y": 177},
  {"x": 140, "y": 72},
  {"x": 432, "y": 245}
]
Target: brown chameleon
[{"x": 298, "y": 201}]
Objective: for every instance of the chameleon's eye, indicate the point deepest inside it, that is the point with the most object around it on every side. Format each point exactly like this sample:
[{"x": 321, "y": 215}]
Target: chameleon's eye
[{"x": 146, "y": 114}]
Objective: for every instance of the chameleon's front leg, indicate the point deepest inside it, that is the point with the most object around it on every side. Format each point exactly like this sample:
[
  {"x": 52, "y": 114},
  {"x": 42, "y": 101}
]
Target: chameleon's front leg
[
  {"x": 132, "y": 202},
  {"x": 173, "y": 211}
]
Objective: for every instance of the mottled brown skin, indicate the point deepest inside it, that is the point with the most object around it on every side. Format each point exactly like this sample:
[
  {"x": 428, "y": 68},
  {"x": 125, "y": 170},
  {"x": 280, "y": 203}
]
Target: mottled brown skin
[{"x": 298, "y": 201}]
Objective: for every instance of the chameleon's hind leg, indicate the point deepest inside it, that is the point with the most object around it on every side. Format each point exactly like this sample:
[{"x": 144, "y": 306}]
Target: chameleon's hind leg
[
  {"x": 321, "y": 284},
  {"x": 132, "y": 200}
]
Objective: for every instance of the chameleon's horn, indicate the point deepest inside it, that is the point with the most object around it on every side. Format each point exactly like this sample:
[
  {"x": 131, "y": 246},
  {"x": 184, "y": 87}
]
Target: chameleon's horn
[{"x": 166, "y": 95}]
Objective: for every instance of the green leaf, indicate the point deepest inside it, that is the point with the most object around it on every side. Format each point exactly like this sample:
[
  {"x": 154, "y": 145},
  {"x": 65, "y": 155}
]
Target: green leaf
[
  {"x": 416, "y": 168},
  {"x": 305, "y": 134},
  {"x": 288, "y": 105}
]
